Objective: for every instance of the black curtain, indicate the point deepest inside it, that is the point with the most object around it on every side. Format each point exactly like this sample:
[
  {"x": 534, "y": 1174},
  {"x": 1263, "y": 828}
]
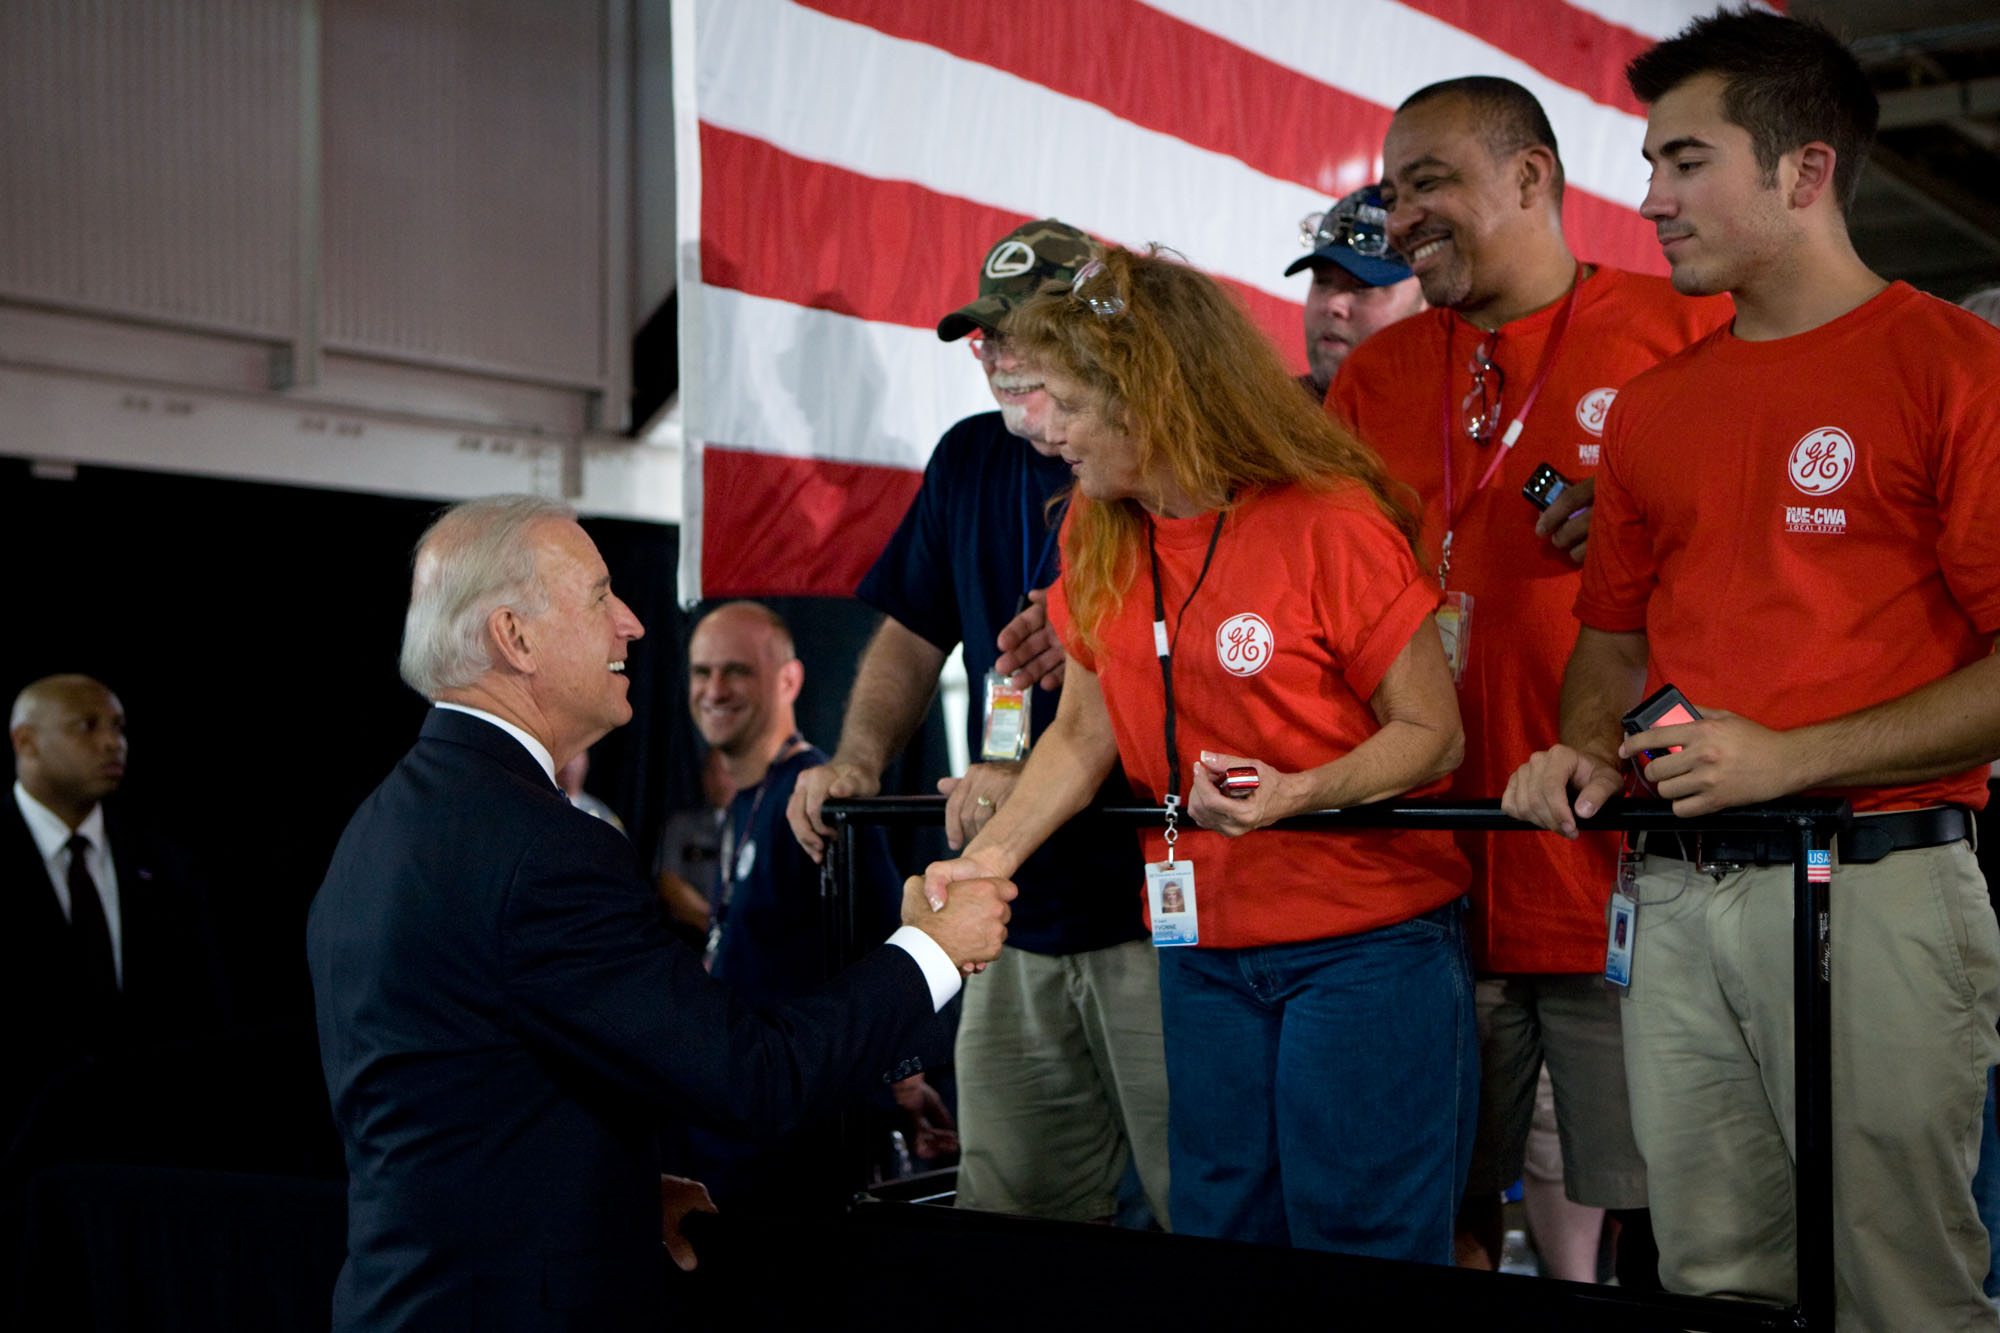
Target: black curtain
[{"x": 251, "y": 631}]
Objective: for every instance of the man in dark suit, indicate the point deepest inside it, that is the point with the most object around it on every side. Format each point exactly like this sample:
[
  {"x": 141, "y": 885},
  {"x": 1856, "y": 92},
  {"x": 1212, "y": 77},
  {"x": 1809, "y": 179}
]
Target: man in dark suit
[
  {"x": 102, "y": 948},
  {"x": 504, "y": 1019}
]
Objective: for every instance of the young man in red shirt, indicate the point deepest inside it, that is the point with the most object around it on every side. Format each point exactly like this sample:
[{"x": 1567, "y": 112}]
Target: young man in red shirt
[
  {"x": 1793, "y": 526},
  {"x": 1520, "y": 337}
]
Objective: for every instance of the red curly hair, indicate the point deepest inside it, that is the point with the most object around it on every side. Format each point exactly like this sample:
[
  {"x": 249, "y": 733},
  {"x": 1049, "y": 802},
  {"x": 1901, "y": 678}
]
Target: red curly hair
[{"x": 1202, "y": 392}]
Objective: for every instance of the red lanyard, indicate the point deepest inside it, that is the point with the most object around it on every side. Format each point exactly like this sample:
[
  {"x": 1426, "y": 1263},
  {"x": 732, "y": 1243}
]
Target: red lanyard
[{"x": 1512, "y": 433}]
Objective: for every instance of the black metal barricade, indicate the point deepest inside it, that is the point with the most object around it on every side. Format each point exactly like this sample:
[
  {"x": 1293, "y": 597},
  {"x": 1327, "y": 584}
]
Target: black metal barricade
[{"x": 1813, "y": 823}]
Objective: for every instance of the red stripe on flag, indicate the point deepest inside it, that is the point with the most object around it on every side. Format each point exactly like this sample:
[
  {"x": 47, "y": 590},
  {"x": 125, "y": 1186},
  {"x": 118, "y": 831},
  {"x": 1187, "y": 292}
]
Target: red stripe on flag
[
  {"x": 1282, "y": 322},
  {"x": 1155, "y": 71},
  {"x": 1572, "y": 46},
  {"x": 781, "y": 226},
  {"x": 775, "y": 526},
  {"x": 785, "y": 227},
  {"x": 1602, "y": 232},
  {"x": 1170, "y": 76}
]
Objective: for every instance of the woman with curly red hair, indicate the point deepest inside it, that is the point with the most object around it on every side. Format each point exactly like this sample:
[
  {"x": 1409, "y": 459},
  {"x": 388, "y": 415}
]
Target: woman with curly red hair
[{"x": 1240, "y": 598}]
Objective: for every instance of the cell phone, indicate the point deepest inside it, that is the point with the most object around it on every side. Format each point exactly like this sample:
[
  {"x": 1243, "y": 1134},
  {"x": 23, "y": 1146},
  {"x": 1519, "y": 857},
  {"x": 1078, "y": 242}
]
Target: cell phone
[
  {"x": 1239, "y": 782},
  {"x": 1665, "y": 707},
  {"x": 1544, "y": 486}
]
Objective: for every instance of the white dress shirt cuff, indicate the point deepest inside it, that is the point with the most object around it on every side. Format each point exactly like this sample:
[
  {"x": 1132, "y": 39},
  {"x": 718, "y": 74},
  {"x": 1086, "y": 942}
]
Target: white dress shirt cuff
[{"x": 939, "y": 970}]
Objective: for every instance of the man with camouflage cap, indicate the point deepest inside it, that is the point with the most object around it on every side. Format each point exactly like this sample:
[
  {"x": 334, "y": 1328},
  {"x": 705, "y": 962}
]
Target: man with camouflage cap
[
  {"x": 1061, "y": 1068},
  {"x": 1359, "y": 283}
]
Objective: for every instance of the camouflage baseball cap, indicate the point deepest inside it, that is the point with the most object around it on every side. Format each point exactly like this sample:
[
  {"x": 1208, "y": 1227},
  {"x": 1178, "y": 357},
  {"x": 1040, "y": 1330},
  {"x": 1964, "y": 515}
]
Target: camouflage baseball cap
[{"x": 1020, "y": 264}]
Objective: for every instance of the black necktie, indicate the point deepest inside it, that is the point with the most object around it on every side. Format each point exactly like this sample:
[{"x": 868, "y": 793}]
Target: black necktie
[{"x": 97, "y": 975}]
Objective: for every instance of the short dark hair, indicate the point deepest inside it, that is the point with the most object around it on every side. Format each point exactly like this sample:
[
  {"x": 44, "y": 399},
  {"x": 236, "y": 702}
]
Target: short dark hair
[
  {"x": 1787, "y": 82},
  {"x": 1509, "y": 118}
]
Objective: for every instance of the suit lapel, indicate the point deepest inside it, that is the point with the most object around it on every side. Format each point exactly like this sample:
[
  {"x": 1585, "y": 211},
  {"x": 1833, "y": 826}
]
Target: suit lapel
[
  {"x": 31, "y": 898},
  {"x": 139, "y": 904}
]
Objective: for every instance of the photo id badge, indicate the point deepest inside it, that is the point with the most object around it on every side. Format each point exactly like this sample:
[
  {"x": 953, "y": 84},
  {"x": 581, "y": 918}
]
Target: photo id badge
[
  {"x": 1170, "y": 893},
  {"x": 1008, "y": 707},
  {"x": 1622, "y": 922},
  {"x": 1454, "y": 622},
  {"x": 1618, "y": 945}
]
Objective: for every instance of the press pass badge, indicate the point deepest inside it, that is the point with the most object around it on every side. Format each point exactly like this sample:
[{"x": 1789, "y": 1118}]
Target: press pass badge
[
  {"x": 1170, "y": 894},
  {"x": 1623, "y": 922},
  {"x": 1454, "y": 622},
  {"x": 1618, "y": 951},
  {"x": 1008, "y": 710}
]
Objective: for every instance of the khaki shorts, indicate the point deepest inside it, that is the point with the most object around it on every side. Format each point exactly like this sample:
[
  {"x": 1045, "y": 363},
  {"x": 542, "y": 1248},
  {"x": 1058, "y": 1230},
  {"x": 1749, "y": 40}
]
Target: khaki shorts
[
  {"x": 1062, "y": 1077},
  {"x": 1572, "y": 1023}
]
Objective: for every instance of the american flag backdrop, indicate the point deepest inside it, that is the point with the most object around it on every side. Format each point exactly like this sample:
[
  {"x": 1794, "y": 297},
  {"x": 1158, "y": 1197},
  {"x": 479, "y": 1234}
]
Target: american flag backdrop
[{"x": 844, "y": 165}]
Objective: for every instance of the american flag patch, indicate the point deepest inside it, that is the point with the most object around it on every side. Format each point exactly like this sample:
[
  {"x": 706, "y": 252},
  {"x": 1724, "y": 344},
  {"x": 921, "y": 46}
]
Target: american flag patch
[{"x": 1819, "y": 867}]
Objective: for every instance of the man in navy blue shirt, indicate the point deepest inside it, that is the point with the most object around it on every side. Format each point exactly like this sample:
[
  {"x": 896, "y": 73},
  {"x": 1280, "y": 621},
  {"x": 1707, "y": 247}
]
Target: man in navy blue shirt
[
  {"x": 768, "y": 939},
  {"x": 1061, "y": 1071}
]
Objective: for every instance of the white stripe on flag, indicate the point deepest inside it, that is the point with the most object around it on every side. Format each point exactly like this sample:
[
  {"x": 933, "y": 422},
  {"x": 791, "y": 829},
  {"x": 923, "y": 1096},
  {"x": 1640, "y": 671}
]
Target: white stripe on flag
[
  {"x": 901, "y": 110},
  {"x": 689, "y": 323},
  {"x": 1383, "y": 51},
  {"x": 1658, "y": 19},
  {"x": 787, "y": 379}
]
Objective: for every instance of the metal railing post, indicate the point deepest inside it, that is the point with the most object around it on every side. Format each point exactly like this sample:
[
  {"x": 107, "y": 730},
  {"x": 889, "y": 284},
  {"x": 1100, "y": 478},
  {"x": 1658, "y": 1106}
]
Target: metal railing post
[
  {"x": 1812, "y": 1014},
  {"x": 1813, "y": 822}
]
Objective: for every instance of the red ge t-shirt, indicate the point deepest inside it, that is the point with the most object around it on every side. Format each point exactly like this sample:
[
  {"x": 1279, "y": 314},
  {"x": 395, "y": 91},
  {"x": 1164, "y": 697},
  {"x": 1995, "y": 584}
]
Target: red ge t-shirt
[
  {"x": 1538, "y": 901},
  {"x": 1310, "y": 597},
  {"x": 1805, "y": 527}
]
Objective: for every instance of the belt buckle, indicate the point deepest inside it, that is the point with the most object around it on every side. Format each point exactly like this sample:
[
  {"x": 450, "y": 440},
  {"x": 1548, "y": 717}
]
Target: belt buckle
[{"x": 1716, "y": 868}]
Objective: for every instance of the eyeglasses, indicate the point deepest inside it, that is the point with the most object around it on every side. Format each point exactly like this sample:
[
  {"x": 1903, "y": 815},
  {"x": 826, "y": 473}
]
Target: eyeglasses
[
  {"x": 1481, "y": 407},
  {"x": 1364, "y": 229},
  {"x": 984, "y": 344},
  {"x": 1109, "y": 304}
]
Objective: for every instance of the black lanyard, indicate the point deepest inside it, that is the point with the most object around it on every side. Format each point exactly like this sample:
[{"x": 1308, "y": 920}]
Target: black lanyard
[
  {"x": 1164, "y": 646},
  {"x": 732, "y": 841},
  {"x": 1031, "y": 578}
]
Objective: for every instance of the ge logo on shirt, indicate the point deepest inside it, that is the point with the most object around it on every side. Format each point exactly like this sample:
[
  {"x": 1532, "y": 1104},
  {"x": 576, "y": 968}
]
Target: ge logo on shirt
[
  {"x": 1243, "y": 644},
  {"x": 1822, "y": 462},
  {"x": 1592, "y": 408},
  {"x": 1008, "y": 259}
]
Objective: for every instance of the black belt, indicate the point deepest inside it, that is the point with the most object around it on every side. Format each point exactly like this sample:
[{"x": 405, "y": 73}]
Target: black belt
[{"x": 1866, "y": 841}]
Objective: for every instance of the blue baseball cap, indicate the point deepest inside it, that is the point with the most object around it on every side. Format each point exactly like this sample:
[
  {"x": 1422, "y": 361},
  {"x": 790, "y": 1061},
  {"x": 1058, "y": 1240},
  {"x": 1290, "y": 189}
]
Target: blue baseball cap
[{"x": 1354, "y": 234}]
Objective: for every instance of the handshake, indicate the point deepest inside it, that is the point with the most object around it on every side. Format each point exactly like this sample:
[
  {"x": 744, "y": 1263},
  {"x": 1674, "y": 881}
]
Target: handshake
[{"x": 969, "y": 922}]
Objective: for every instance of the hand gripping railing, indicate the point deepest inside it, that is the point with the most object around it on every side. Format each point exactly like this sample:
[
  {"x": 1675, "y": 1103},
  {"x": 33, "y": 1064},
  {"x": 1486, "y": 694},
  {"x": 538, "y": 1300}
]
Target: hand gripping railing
[{"x": 1812, "y": 823}]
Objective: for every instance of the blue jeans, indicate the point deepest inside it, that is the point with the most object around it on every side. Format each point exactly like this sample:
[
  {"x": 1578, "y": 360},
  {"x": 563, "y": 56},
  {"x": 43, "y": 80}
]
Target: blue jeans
[{"x": 1324, "y": 1094}]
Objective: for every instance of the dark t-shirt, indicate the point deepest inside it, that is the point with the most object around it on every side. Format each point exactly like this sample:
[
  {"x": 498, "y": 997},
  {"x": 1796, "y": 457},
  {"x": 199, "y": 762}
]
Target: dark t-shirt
[
  {"x": 976, "y": 538},
  {"x": 772, "y": 941}
]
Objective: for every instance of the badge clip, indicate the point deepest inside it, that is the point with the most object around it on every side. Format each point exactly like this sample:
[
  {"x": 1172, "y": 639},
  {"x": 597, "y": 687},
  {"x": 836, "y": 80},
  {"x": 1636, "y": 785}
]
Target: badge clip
[{"x": 1009, "y": 713}]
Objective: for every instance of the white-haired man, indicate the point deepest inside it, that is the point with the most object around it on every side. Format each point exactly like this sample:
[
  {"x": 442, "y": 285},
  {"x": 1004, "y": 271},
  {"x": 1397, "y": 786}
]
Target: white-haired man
[
  {"x": 503, "y": 1018},
  {"x": 1062, "y": 1075}
]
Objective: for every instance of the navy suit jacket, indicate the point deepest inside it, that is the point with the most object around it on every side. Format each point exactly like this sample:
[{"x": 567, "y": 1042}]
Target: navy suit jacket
[{"x": 505, "y": 1022}]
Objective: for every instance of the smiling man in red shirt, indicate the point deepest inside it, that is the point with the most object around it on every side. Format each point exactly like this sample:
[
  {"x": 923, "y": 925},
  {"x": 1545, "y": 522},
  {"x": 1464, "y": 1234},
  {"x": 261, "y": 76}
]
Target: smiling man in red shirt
[{"x": 1513, "y": 367}]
